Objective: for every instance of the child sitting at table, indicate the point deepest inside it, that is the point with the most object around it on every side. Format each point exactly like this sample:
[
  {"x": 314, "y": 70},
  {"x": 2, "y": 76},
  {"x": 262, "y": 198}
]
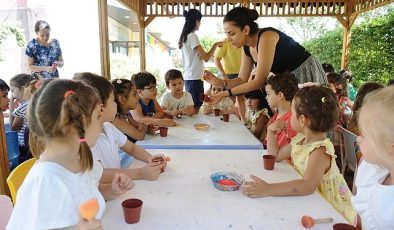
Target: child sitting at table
[
  {"x": 4, "y": 89},
  {"x": 314, "y": 111},
  {"x": 177, "y": 102},
  {"x": 126, "y": 99},
  {"x": 280, "y": 91},
  {"x": 257, "y": 116},
  {"x": 226, "y": 105},
  {"x": 18, "y": 119},
  {"x": 64, "y": 116},
  {"x": 148, "y": 110},
  {"x": 111, "y": 139},
  {"x": 375, "y": 174}
]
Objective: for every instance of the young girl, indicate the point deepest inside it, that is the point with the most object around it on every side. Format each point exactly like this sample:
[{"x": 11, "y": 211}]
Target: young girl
[
  {"x": 226, "y": 105},
  {"x": 314, "y": 112},
  {"x": 375, "y": 176},
  {"x": 257, "y": 116},
  {"x": 126, "y": 99},
  {"x": 64, "y": 116}
]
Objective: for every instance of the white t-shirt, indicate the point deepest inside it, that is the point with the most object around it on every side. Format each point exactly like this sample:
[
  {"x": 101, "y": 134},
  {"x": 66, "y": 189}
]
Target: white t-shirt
[
  {"x": 106, "y": 149},
  {"x": 192, "y": 63},
  {"x": 374, "y": 202},
  {"x": 172, "y": 103},
  {"x": 50, "y": 197}
]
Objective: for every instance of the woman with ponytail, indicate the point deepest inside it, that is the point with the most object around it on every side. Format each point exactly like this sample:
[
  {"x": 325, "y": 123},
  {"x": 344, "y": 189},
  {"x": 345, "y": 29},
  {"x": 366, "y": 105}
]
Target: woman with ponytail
[
  {"x": 193, "y": 56},
  {"x": 64, "y": 117},
  {"x": 269, "y": 50}
]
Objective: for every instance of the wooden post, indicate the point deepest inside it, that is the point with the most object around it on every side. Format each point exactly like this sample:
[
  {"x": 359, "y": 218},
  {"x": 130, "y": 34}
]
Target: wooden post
[
  {"x": 104, "y": 40},
  {"x": 143, "y": 24},
  {"x": 4, "y": 164}
]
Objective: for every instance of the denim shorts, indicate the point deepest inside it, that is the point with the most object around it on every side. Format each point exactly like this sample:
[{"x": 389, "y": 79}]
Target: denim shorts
[{"x": 195, "y": 88}]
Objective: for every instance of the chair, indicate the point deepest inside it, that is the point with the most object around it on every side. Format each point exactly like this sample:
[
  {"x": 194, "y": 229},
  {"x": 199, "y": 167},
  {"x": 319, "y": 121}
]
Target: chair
[
  {"x": 348, "y": 144},
  {"x": 17, "y": 176},
  {"x": 6, "y": 208},
  {"x": 12, "y": 148}
]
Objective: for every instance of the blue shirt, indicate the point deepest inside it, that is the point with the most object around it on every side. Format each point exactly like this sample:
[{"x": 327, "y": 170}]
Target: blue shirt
[
  {"x": 149, "y": 109},
  {"x": 44, "y": 56}
]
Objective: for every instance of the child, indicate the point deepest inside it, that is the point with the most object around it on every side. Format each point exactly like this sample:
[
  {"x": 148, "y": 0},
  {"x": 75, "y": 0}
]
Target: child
[
  {"x": 257, "y": 116},
  {"x": 4, "y": 89},
  {"x": 106, "y": 149},
  {"x": 126, "y": 99},
  {"x": 280, "y": 91},
  {"x": 177, "y": 102},
  {"x": 18, "y": 119},
  {"x": 314, "y": 111},
  {"x": 148, "y": 110},
  {"x": 364, "y": 90},
  {"x": 64, "y": 115},
  {"x": 226, "y": 105},
  {"x": 375, "y": 175}
]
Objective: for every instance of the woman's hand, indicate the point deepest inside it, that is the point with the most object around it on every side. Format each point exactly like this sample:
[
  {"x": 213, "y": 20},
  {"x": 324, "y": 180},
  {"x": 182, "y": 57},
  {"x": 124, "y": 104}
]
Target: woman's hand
[
  {"x": 217, "y": 97},
  {"x": 121, "y": 184},
  {"x": 256, "y": 188},
  {"x": 211, "y": 78}
]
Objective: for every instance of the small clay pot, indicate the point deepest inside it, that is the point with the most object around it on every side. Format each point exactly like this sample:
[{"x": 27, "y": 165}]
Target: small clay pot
[
  {"x": 226, "y": 117},
  {"x": 169, "y": 116},
  {"x": 159, "y": 160},
  {"x": 343, "y": 226},
  {"x": 163, "y": 131},
  {"x": 269, "y": 162},
  {"x": 217, "y": 112},
  {"x": 132, "y": 210}
]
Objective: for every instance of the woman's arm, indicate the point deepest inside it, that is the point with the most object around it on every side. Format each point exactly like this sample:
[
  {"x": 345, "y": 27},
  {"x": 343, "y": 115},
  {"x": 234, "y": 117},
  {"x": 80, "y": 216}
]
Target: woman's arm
[
  {"x": 36, "y": 68},
  {"x": 207, "y": 55}
]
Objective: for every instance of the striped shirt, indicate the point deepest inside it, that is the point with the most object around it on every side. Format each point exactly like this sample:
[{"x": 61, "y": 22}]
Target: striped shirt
[{"x": 21, "y": 112}]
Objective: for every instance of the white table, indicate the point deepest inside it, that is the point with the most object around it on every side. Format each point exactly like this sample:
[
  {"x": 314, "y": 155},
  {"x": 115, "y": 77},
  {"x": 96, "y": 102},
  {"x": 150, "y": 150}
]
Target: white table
[
  {"x": 221, "y": 135},
  {"x": 184, "y": 197}
]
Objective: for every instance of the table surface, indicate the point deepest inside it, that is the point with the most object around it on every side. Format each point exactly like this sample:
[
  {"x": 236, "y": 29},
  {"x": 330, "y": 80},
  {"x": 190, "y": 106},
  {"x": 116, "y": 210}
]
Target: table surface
[
  {"x": 221, "y": 135},
  {"x": 184, "y": 197}
]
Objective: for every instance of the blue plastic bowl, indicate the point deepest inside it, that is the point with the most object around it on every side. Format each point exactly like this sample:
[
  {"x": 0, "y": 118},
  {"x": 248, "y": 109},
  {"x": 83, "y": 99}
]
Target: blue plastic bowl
[{"x": 237, "y": 178}]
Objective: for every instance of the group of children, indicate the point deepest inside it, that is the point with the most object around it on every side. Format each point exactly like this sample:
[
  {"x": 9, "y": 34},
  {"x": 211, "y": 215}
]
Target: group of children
[{"x": 78, "y": 126}]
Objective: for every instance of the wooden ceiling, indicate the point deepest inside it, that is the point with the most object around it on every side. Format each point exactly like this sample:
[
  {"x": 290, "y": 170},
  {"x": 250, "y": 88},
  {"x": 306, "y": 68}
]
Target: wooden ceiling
[{"x": 267, "y": 8}]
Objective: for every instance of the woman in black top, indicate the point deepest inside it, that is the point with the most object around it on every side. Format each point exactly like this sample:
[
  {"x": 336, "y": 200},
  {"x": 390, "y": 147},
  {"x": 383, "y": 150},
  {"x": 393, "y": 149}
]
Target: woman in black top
[{"x": 270, "y": 50}]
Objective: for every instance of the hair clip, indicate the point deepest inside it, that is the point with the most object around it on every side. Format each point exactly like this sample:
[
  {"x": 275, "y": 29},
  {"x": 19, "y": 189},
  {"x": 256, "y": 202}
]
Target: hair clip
[
  {"x": 68, "y": 93},
  {"x": 119, "y": 81},
  {"x": 37, "y": 84},
  {"x": 82, "y": 140},
  {"x": 323, "y": 99}
]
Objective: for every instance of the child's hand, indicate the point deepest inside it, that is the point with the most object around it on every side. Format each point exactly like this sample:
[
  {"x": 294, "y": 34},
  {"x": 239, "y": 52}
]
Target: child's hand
[
  {"x": 256, "y": 188},
  {"x": 277, "y": 126},
  {"x": 142, "y": 127},
  {"x": 89, "y": 224},
  {"x": 152, "y": 129},
  {"x": 121, "y": 184},
  {"x": 159, "y": 158},
  {"x": 151, "y": 171},
  {"x": 167, "y": 122}
]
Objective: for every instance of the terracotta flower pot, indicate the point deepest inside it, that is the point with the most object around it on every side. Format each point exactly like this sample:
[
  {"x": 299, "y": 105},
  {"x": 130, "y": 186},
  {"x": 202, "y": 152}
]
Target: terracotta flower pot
[
  {"x": 269, "y": 162},
  {"x": 163, "y": 131},
  {"x": 226, "y": 117},
  {"x": 132, "y": 210},
  {"x": 217, "y": 112},
  {"x": 343, "y": 226}
]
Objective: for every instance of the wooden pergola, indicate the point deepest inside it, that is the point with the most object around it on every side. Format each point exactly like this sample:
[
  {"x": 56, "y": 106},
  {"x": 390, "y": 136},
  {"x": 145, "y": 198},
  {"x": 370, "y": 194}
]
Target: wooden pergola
[{"x": 345, "y": 11}]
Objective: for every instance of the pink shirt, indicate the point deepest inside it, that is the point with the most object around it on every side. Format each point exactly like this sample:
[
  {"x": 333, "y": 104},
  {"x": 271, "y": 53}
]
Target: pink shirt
[{"x": 284, "y": 137}]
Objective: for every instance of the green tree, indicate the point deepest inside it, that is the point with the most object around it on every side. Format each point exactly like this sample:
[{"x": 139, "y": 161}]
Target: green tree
[{"x": 6, "y": 29}]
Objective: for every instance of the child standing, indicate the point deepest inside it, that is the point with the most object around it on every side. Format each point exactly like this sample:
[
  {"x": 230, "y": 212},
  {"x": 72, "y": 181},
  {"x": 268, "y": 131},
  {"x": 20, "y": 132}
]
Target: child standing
[
  {"x": 226, "y": 105},
  {"x": 4, "y": 89},
  {"x": 64, "y": 115},
  {"x": 375, "y": 175},
  {"x": 257, "y": 116},
  {"x": 111, "y": 139},
  {"x": 314, "y": 112},
  {"x": 148, "y": 110},
  {"x": 177, "y": 102},
  {"x": 126, "y": 99},
  {"x": 280, "y": 91}
]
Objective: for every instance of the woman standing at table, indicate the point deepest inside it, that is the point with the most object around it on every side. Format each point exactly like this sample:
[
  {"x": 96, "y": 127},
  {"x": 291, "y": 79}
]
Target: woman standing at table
[
  {"x": 193, "y": 56},
  {"x": 44, "y": 56},
  {"x": 269, "y": 49}
]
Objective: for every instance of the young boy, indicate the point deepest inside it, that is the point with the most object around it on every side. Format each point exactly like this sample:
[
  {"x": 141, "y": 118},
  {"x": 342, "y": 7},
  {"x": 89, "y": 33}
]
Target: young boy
[
  {"x": 148, "y": 110},
  {"x": 4, "y": 89},
  {"x": 177, "y": 102},
  {"x": 280, "y": 92}
]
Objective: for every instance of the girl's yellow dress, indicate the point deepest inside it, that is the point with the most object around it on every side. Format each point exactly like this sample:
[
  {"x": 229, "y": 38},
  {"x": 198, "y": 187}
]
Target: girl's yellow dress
[{"x": 333, "y": 186}]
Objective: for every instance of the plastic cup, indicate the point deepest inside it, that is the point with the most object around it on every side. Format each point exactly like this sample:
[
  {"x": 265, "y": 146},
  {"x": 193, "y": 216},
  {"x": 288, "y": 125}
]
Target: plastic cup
[
  {"x": 132, "y": 210},
  {"x": 269, "y": 162},
  {"x": 163, "y": 131},
  {"x": 217, "y": 112},
  {"x": 343, "y": 226},
  {"x": 226, "y": 117}
]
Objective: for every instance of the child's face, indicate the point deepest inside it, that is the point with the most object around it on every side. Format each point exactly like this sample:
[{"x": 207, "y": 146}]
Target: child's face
[
  {"x": 109, "y": 110},
  {"x": 148, "y": 93},
  {"x": 17, "y": 93},
  {"x": 253, "y": 104},
  {"x": 216, "y": 89},
  {"x": 93, "y": 129},
  {"x": 132, "y": 99},
  {"x": 272, "y": 96},
  {"x": 4, "y": 100},
  {"x": 176, "y": 86}
]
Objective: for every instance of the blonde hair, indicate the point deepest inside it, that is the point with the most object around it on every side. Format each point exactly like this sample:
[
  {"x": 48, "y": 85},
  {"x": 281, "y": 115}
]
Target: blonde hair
[{"x": 379, "y": 107}]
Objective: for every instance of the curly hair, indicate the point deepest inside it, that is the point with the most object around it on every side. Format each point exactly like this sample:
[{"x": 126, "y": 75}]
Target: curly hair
[{"x": 285, "y": 83}]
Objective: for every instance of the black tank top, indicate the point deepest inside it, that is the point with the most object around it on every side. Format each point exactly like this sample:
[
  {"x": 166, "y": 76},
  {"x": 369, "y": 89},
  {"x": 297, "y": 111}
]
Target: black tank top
[{"x": 289, "y": 55}]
